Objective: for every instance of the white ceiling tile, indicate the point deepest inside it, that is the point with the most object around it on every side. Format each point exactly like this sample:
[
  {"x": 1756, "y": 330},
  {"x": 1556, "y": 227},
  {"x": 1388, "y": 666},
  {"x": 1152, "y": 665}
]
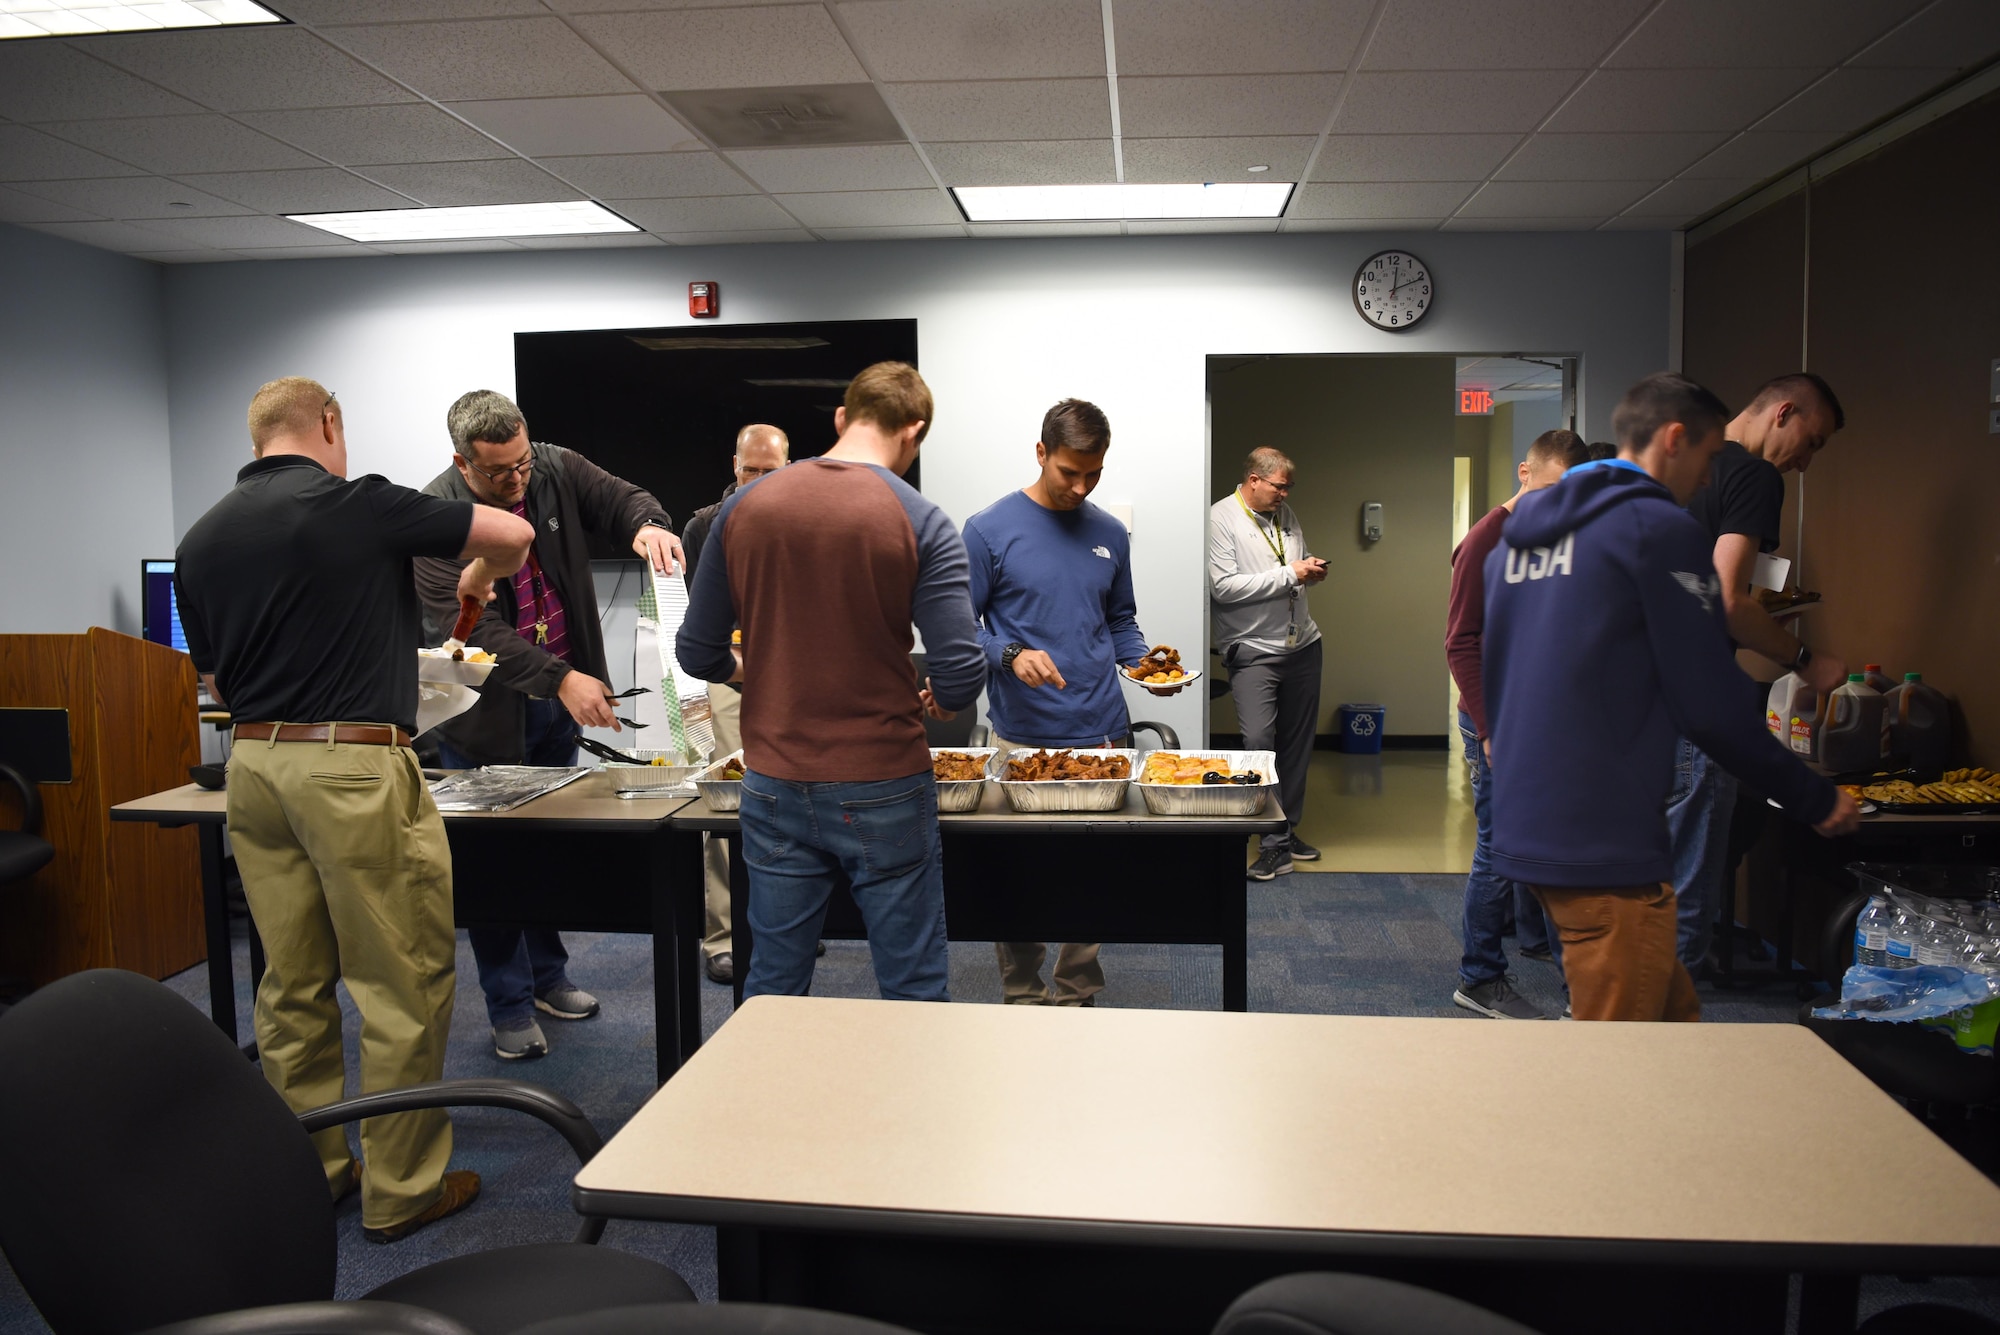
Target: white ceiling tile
[
  {"x": 619, "y": 123},
  {"x": 765, "y": 47},
  {"x": 1849, "y": 99},
  {"x": 127, "y": 197},
  {"x": 1607, "y": 157},
  {"x": 1411, "y": 157},
  {"x": 1757, "y": 155},
  {"x": 1960, "y": 33},
  {"x": 120, "y": 236},
  {"x": 30, "y": 155},
  {"x": 1202, "y": 107},
  {"x": 871, "y": 208},
  {"x": 721, "y": 213},
  {"x": 185, "y": 256},
  {"x": 325, "y": 12},
  {"x": 1170, "y": 160},
  {"x": 1689, "y": 198},
  {"x": 317, "y": 190},
  {"x": 1399, "y": 199},
  {"x": 753, "y": 236},
  {"x": 1684, "y": 100},
  {"x": 1553, "y": 199},
  {"x": 1035, "y": 162},
  {"x": 1360, "y": 224},
  {"x": 1710, "y": 34},
  {"x": 1242, "y": 37},
  {"x": 481, "y": 246},
  {"x": 452, "y": 184},
  {"x": 240, "y": 233},
  {"x": 1023, "y": 109},
  {"x": 349, "y": 251},
  {"x": 616, "y": 241},
  {"x": 1644, "y": 222},
  {"x": 933, "y": 232},
  {"x": 245, "y": 69},
  {"x": 1455, "y": 102},
  {"x": 978, "y": 39},
  {"x": 365, "y": 136},
  {"x": 1001, "y": 231},
  {"x": 651, "y": 175},
  {"x": 18, "y": 206},
  {"x": 527, "y": 57},
  {"x": 1180, "y": 227},
  {"x": 52, "y": 81},
  {"x": 171, "y": 145},
  {"x": 626, "y": 6},
  {"x": 1465, "y": 224},
  {"x": 1499, "y": 34},
  {"x": 835, "y": 167}
]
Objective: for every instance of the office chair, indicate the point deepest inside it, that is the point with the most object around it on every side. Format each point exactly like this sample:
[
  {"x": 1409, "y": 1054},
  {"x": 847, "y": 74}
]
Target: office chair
[
  {"x": 712, "y": 1319},
  {"x": 148, "y": 1174},
  {"x": 24, "y": 852},
  {"x": 1330, "y": 1304}
]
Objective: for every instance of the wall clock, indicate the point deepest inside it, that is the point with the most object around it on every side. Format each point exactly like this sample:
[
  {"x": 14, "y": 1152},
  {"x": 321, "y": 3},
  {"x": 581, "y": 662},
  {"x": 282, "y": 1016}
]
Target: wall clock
[{"x": 1393, "y": 289}]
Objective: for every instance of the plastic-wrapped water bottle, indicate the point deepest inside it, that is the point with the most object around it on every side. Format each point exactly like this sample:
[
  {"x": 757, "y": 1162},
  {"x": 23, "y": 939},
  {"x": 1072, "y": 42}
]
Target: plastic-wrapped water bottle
[
  {"x": 1899, "y": 951},
  {"x": 1980, "y": 954},
  {"x": 1940, "y": 943},
  {"x": 1871, "y": 932}
]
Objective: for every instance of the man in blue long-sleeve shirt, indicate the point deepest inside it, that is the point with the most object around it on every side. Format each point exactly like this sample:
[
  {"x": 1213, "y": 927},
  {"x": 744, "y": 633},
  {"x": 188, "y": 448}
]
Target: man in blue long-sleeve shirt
[{"x": 1052, "y": 588}]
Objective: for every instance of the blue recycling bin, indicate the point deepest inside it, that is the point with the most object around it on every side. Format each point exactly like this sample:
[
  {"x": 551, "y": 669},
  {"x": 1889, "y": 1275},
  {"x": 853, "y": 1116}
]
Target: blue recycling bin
[{"x": 1361, "y": 729}]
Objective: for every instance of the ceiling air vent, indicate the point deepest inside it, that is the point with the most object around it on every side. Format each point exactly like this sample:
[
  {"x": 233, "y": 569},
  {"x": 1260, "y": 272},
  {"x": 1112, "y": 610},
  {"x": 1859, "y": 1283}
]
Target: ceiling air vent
[{"x": 829, "y": 113}]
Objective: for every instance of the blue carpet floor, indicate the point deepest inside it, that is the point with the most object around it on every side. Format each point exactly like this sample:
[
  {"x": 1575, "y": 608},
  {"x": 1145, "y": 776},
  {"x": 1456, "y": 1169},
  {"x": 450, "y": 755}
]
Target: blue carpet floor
[{"x": 1329, "y": 943}]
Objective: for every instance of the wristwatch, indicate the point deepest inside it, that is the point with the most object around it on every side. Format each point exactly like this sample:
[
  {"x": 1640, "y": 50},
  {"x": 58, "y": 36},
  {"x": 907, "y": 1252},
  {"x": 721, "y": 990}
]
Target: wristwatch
[
  {"x": 1009, "y": 654},
  {"x": 1805, "y": 657}
]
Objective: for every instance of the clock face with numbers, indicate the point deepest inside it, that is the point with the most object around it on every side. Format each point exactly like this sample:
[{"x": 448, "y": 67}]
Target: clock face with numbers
[{"x": 1393, "y": 290}]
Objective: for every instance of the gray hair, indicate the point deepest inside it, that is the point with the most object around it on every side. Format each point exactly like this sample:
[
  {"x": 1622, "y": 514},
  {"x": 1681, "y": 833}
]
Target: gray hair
[
  {"x": 484, "y": 416},
  {"x": 1264, "y": 461}
]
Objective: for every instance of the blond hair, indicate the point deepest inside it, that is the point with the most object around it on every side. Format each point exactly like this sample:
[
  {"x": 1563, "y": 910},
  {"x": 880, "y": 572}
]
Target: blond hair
[
  {"x": 1265, "y": 461},
  {"x": 891, "y": 395},
  {"x": 289, "y": 406}
]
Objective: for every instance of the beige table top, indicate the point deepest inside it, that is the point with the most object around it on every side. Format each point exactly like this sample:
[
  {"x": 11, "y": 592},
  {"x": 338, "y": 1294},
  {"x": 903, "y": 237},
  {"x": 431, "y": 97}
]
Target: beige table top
[
  {"x": 1714, "y": 1133},
  {"x": 589, "y": 800}
]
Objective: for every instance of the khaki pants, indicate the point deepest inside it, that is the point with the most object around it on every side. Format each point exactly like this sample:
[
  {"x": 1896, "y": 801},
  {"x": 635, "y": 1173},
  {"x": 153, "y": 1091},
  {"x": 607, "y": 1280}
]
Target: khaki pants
[
  {"x": 1078, "y": 976},
  {"x": 725, "y": 708},
  {"x": 348, "y": 875},
  {"x": 1620, "y": 952}
]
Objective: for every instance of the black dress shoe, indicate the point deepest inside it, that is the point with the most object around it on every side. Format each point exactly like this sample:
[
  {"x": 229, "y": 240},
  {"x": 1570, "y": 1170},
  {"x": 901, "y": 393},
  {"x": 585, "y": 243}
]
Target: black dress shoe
[
  {"x": 819, "y": 949},
  {"x": 720, "y": 968}
]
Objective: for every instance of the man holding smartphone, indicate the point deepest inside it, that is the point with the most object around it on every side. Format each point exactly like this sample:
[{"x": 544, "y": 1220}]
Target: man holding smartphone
[{"x": 1258, "y": 572}]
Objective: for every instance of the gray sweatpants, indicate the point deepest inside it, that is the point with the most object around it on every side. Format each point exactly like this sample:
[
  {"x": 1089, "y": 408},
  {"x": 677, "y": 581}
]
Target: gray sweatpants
[{"x": 1277, "y": 706}]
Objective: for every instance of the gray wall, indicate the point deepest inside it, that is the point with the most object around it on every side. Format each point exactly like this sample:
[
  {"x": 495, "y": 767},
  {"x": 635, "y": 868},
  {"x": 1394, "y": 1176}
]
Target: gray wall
[
  {"x": 1005, "y": 328},
  {"x": 85, "y": 480}
]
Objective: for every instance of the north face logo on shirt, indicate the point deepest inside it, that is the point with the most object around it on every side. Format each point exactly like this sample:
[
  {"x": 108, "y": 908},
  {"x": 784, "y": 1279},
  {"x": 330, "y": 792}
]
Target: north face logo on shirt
[
  {"x": 1104, "y": 552},
  {"x": 1540, "y": 562},
  {"x": 1708, "y": 590},
  {"x": 553, "y": 525}
]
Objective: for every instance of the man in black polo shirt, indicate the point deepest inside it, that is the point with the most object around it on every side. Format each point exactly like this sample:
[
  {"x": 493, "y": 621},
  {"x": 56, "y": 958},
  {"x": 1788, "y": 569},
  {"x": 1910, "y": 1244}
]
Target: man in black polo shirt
[
  {"x": 301, "y": 615},
  {"x": 1788, "y": 422}
]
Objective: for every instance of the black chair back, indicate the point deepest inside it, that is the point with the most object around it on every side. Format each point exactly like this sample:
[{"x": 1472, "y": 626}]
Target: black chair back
[
  {"x": 148, "y": 1173},
  {"x": 712, "y": 1319},
  {"x": 23, "y": 852},
  {"x": 1335, "y": 1304}
]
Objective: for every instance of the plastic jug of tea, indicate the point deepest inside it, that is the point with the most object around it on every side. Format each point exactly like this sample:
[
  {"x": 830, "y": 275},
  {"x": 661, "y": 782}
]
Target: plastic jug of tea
[
  {"x": 1850, "y": 738},
  {"x": 1792, "y": 714},
  {"x": 1919, "y": 724},
  {"x": 1877, "y": 679}
]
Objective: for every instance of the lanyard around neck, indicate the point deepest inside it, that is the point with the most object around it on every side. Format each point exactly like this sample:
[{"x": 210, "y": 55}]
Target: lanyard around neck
[{"x": 1277, "y": 545}]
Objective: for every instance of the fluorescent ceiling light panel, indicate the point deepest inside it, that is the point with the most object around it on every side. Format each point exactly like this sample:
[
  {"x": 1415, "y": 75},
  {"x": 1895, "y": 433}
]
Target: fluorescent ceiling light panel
[
  {"x": 69, "y": 18},
  {"x": 1123, "y": 202},
  {"x": 573, "y": 218}
]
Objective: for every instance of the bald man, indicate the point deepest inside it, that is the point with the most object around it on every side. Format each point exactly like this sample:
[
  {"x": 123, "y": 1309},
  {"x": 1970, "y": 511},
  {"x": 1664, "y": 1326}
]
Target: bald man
[{"x": 760, "y": 449}]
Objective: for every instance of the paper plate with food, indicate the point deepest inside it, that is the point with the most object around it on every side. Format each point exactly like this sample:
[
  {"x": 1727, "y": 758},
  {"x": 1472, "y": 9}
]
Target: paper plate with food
[{"x": 1161, "y": 670}]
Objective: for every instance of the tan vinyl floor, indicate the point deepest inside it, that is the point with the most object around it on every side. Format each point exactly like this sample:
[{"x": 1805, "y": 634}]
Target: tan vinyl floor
[{"x": 1407, "y": 811}]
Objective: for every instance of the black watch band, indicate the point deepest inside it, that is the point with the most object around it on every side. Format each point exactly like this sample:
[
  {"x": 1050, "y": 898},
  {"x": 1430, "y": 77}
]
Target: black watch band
[
  {"x": 1009, "y": 654},
  {"x": 1804, "y": 657}
]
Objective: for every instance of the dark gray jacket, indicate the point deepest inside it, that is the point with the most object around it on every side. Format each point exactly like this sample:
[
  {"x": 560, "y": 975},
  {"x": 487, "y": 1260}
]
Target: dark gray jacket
[{"x": 568, "y": 496}]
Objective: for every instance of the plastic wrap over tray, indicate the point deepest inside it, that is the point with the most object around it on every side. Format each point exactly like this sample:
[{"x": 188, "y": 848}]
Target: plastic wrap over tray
[
  {"x": 1212, "y": 799},
  {"x": 1065, "y": 794}
]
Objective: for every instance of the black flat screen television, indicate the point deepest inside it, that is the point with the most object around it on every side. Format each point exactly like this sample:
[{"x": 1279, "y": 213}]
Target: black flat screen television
[
  {"x": 159, "y": 605},
  {"x": 661, "y": 407}
]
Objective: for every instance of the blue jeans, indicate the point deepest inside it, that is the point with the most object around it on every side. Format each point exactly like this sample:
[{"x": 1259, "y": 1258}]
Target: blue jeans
[
  {"x": 518, "y": 964},
  {"x": 1698, "y": 810},
  {"x": 1487, "y": 896},
  {"x": 800, "y": 839}
]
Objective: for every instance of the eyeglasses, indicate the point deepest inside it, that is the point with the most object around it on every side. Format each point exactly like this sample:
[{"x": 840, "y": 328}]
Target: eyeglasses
[
  {"x": 497, "y": 475},
  {"x": 330, "y": 397},
  {"x": 1275, "y": 486}
]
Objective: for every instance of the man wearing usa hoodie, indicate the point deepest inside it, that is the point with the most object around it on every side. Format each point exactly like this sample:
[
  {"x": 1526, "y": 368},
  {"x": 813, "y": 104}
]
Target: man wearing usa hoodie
[{"x": 1605, "y": 641}]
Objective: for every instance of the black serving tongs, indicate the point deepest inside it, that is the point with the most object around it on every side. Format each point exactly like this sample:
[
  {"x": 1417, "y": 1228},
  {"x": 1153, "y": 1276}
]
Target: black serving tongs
[{"x": 603, "y": 752}]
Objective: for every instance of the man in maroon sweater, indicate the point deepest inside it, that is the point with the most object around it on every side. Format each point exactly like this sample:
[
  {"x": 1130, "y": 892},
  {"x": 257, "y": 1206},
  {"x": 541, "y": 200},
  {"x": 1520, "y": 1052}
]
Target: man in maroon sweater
[{"x": 1482, "y": 971}]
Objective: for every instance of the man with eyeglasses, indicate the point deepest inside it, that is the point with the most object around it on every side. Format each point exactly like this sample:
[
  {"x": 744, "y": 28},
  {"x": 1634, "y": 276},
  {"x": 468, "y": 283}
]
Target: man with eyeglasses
[
  {"x": 1258, "y": 572},
  {"x": 549, "y": 678}
]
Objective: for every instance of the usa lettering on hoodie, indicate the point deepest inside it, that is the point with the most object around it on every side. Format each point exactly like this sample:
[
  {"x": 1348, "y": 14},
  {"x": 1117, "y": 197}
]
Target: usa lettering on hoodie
[{"x": 1606, "y": 641}]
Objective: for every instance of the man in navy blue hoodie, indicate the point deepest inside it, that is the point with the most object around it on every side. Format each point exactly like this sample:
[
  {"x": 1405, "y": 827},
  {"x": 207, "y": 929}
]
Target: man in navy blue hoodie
[{"x": 1605, "y": 641}]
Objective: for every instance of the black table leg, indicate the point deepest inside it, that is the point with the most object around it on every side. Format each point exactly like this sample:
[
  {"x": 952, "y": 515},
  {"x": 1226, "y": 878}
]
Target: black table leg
[
  {"x": 689, "y": 919},
  {"x": 1233, "y": 890},
  {"x": 215, "y": 925},
  {"x": 664, "y": 852},
  {"x": 1829, "y": 1304}
]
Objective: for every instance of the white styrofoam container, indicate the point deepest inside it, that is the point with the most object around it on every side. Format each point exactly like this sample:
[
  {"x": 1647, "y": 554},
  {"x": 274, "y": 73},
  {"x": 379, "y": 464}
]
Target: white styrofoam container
[
  {"x": 721, "y": 794},
  {"x": 1219, "y": 799},
  {"x": 963, "y": 794},
  {"x": 1065, "y": 794},
  {"x": 646, "y": 777}
]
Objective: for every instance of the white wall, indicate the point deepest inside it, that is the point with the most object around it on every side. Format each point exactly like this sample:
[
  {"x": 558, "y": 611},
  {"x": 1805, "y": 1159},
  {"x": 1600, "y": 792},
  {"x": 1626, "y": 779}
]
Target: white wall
[
  {"x": 1004, "y": 329},
  {"x": 85, "y": 481}
]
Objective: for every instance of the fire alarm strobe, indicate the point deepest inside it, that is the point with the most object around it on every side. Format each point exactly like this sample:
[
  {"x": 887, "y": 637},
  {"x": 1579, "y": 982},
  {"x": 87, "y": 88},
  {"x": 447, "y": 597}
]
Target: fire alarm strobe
[{"x": 704, "y": 300}]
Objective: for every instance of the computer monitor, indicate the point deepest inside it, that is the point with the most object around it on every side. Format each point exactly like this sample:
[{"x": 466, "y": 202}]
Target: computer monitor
[{"x": 159, "y": 605}]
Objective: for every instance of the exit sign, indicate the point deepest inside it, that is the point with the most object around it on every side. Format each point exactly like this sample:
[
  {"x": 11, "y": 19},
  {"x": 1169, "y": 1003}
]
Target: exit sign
[{"x": 1475, "y": 403}]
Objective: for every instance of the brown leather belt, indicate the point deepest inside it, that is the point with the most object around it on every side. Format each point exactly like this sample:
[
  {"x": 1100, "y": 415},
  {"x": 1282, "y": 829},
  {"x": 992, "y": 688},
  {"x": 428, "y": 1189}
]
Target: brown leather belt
[{"x": 356, "y": 734}]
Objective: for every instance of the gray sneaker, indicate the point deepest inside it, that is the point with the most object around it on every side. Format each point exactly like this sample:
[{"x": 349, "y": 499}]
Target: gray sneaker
[
  {"x": 524, "y": 1042},
  {"x": 568, "y": 1002},
  {"x": 1497, "y": 1000},
  {"x": 1270, "y": 864}
]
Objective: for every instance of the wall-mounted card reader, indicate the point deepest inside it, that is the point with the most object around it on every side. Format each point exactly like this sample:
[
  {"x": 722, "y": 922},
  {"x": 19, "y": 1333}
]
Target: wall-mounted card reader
[{"x": 1371, "y": 522}]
